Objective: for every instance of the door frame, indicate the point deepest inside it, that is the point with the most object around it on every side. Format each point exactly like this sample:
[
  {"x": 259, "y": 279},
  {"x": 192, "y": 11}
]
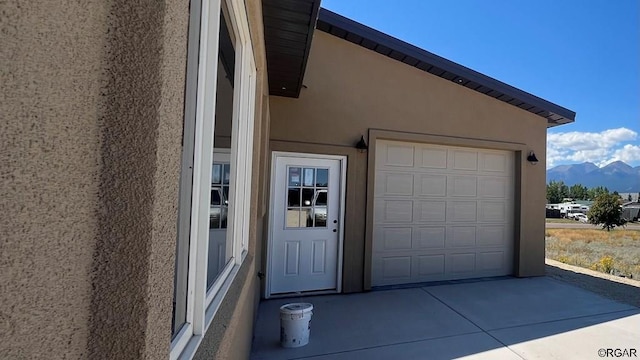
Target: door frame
[{"x": 341, "y": 215}]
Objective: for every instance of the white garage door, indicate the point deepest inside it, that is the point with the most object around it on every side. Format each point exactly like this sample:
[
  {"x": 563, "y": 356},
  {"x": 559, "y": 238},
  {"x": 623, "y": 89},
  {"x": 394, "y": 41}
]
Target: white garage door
[{"x": 441, "y": 213}]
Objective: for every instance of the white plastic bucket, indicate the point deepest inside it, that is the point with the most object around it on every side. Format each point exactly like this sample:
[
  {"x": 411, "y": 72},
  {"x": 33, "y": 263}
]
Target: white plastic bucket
[{"x": 295, "y": 324}]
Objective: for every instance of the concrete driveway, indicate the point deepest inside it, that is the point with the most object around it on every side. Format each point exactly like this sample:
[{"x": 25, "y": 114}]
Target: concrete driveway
[{"x": 507, "y": 318}]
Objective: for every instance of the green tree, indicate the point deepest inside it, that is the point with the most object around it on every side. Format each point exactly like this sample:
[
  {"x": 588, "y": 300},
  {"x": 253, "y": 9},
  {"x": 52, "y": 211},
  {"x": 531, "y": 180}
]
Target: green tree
[
  {"x": 593, "y": 193},
  {"x": 606, "y": 211},
  {"x": 578, "y": 192},
  {"x": 556, "y": 191}
]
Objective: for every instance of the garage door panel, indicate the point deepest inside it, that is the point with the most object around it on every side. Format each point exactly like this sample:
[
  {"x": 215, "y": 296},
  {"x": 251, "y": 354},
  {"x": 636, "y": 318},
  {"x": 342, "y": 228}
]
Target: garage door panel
[
  {"x": 464, "y": 160},
  {"x": 430, "y": 237},
  {"x": 395, "y": 184},
  {"x": 495, "y": 235},
  {"x": 461, "y": 263},
  {"x": 433, "y": 158},
  {"x": 493, "y": 187},
  {"x": 397, "y": 155},
  {"x": 394, "y": 238},
  {"x": 394, "y": 211},
  {"x": 494, "y": 162},
  {"x": 397, "y": 267},
  {"x": 491, "y": 261},
  {"x": 463, "y": 186},
  {"x": 429, "y": 265},
  {"x": 461, "y": 236},
  {"x": 493, "y": 211},
  {"x": 431, "y": 211},
  {"x": 458, "y": 221},
  {"x": 431, "y": 185},
  {"x": 463, "y": 211}
]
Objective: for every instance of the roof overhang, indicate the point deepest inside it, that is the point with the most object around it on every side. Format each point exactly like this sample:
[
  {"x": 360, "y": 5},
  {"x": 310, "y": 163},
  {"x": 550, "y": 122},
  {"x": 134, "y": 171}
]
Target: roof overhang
[
  {"x": 288, "y": 30},
  {"x": 289, "y": 26}
]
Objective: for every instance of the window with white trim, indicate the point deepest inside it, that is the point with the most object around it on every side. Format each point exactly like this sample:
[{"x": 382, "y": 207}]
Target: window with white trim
[{"x": 215, "y": 181}]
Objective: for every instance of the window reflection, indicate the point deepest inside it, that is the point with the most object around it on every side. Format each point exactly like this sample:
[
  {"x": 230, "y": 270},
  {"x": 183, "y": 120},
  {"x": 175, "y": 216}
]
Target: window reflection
[
  {"x": 307, "y": 197},
  {"x": 322, "y": 178},
  {"x": 293, "y": 197},
  {"x": 220, "y": 245},
  {"x": 294, "y": 176}
]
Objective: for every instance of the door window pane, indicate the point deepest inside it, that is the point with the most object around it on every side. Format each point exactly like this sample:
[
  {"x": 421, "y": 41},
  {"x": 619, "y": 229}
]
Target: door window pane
[
  {"x": 216, "y": 175},
  {"x": 322, "y": 178},
  {"x": 308, "y": 177},
  {"x": 293, "y": 217},
  {"x": 293, "y": 197},
  {"x": 226, "y": 172},
  {"x": 294, "y": 176},
  {"x": 306, "y": 197}
]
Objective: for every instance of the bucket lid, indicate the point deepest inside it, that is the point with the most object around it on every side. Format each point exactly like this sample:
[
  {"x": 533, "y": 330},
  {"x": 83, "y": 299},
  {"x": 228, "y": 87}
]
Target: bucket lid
[{"x": 296, "y": 308}]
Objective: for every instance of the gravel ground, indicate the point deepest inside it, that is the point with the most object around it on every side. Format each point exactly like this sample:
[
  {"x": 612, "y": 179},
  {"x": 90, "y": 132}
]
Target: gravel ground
[{"x": 616, "y": 288}]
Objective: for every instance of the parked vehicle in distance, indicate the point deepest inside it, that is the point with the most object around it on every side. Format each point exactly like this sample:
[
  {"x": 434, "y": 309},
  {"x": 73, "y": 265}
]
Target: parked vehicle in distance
[
  {"x": 581, "y": 217},
  {"x": 218, "y": 208}
]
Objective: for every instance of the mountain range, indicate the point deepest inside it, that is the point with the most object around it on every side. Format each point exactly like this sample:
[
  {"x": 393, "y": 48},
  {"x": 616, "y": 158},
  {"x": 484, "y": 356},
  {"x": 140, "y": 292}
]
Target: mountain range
[{"x": 617, "y": 176}]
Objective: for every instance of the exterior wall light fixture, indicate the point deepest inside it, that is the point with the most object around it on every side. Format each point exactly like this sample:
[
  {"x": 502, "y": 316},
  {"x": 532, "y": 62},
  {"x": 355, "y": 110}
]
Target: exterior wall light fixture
[
  {"x": 532, "y": 158},
  {"x": 362, "y": 145}
]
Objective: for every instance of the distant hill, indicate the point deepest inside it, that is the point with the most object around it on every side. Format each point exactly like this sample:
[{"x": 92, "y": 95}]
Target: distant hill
[{"x": 617, "y": 176}]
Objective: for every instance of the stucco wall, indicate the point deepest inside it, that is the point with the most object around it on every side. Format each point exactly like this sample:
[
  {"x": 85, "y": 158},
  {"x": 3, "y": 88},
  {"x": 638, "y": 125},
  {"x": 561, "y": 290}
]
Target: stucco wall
[
  {"x": 350, "y": 90},
  {"x": 92, "y": 102}
]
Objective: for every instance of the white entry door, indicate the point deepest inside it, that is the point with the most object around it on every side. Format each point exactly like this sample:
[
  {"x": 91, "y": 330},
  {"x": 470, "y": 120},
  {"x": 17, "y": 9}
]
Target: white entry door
[{"x": 306, "y": 223}]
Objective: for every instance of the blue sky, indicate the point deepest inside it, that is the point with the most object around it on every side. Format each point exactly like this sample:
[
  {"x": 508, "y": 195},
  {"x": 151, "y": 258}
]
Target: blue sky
[{"x": 580, "y": 54}]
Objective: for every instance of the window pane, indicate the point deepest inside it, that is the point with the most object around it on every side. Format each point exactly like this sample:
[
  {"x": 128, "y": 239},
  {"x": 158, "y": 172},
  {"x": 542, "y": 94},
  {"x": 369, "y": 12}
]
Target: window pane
[
  {"x": 308, "y": 177},
  {"x": 322, "y": 177},
  {"x": 307, "y": 197},
  {"x": 293, "y": 197},
  {"x": 215, "y": 196},
  {"x": 320, "y": 208},
  {"x": 322, "y": 197},
  {"x": 320, "y": 214},
  {"x": 225, "y": 195},
  {"x": 220, "y": 245},
  {"x": 214, "y": 217},
  {"x": 216, "y": 173},
  {"x": 293, "y": 217},
  {"x": 227, "y": 171},
  {"x": 294, "y": 176}
]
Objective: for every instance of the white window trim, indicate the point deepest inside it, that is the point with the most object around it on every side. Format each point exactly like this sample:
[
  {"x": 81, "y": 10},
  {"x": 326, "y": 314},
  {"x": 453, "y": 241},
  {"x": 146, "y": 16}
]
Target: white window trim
[{"x": 202, "y": 305}]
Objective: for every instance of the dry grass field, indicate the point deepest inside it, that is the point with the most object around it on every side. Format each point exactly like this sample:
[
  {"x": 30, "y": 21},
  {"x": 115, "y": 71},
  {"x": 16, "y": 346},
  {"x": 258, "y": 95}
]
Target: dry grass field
[{"x": 616, "y": 252}]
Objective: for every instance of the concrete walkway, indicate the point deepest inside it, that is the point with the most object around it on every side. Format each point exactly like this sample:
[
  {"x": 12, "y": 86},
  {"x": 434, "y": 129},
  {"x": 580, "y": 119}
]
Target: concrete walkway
[{"x": 531, "y": 318}]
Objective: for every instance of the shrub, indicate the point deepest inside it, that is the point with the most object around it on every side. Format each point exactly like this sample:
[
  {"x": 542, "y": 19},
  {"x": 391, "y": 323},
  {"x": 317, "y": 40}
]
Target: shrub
[{"x": 605, "y": 264}]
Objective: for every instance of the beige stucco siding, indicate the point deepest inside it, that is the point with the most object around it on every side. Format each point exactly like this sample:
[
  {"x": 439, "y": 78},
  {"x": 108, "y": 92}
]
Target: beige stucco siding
[
  {"x": 50, "y": 84},
  {"x": 92, "y": 103},
  {"x": 350, "y": 90}
]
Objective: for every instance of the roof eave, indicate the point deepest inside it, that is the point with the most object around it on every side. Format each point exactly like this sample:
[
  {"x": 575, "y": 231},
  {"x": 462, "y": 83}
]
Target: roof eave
[{"x": 288, "y": 31}]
